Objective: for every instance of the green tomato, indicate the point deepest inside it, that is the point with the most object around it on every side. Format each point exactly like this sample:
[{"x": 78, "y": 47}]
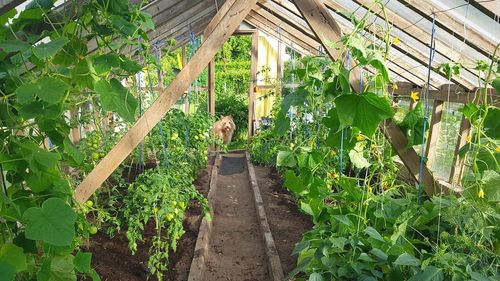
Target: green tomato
[
  {"x": 89, "y": 204},
  {"x": 173, "y": 203},
  {"x": 182, "y": 205},
  {"x": 169, "y": 216},
  {"x": 93, "y": 230},
  {"x": 95, "y": 156},
  {"x": 176, "y": 211}
]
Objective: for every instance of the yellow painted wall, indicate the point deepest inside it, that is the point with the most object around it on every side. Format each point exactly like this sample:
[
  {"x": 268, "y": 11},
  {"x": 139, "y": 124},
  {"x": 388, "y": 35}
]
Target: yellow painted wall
[{"x": 267, "y": 69}]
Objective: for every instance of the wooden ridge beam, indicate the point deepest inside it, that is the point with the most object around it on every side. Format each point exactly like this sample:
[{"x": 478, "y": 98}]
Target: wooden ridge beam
[
  {"x": 224, "y": 29},
  {"x": 327, "y": 30}
]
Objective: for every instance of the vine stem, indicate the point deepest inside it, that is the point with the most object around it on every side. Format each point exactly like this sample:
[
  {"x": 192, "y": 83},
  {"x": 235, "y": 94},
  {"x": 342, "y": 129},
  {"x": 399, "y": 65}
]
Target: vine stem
[{"x": 487, "y": 82}]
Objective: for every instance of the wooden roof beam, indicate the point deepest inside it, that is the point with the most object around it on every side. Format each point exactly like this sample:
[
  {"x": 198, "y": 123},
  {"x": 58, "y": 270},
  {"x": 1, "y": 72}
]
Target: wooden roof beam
[
  {"x": 297, "y": 36},
  {"x": 419, "y": 34},
  {"x": 227, "y": 25},
  {"x": 283, "y": 36},
  {"x": 412, "y": 52},
  {"x": 7, "y": 5},
  {"x": 452, "y": 25}
]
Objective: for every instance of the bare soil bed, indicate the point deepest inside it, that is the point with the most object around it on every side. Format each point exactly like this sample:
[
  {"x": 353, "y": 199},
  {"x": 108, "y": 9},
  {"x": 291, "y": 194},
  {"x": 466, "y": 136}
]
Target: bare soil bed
[
  {"x": 112, "y": 259},
  {"x": 287, "y": 223},
  {"x": 235, "y": 241}
]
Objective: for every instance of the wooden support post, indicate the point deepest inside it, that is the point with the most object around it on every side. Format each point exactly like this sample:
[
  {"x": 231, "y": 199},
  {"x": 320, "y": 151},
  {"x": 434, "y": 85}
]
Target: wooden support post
[
  {"x": 434, "y": 129},
  {"x": 457, "y": 166},
  {"x": 253, "y": 82},
  {"x": 327, "y": 30},
  {"x": 186, "y": 95},
  {"x": 211, "y": 87},
  {"x": 223, "y": 30},
  {"x": 279, "y": 68}
]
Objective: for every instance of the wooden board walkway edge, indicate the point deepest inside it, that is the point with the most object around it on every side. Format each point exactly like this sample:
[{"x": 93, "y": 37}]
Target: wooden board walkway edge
[
  {"x": 273, "y": 259},
  {"x": 221, "y": 33},
  {"x": 197, "y": 268}
]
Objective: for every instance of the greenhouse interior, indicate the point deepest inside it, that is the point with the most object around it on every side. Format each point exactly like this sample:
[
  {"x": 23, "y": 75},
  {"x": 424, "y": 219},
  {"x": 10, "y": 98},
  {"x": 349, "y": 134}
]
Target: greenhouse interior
[{"x": 250, "y": 140}]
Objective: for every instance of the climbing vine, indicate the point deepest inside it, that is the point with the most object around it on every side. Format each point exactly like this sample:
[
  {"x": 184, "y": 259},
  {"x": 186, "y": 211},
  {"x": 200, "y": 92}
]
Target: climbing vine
[
  {"x": 369, "y": 223},
  {"x": 52, "y": 62}
]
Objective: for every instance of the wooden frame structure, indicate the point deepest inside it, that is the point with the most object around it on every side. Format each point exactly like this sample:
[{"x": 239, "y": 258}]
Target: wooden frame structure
[{"x": 308, "y": 24}]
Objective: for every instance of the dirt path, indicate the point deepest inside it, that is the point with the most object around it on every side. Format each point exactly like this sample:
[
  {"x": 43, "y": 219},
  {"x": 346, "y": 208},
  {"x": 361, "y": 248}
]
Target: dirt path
[{"x": 236, "y": 250}]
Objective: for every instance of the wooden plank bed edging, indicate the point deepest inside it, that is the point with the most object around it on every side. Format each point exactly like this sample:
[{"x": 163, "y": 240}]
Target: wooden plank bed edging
[
  {"x": 273, "y": 259},
  {"x": 197, "y": 268}
]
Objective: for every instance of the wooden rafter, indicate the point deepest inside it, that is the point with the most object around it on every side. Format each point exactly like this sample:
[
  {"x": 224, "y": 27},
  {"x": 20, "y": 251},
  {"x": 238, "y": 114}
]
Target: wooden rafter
[
  {"x": 7, "y": 5},
  {"x": 283, "y": 35},
  {"x": 451, "y": 93},
  {"x": 396, "y": 63},
  {"x": 489, "y": 8},
  {"x": 274, "y": 21},
  {"x": 423, "y": 36},
  {"x": 224, "y": 29},
  {"x": 409, "y": 50},
  {"x": 452, "y": 25}
]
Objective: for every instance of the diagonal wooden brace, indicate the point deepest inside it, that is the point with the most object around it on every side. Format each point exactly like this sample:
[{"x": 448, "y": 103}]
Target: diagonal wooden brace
[{"x": 222, "y": 28}]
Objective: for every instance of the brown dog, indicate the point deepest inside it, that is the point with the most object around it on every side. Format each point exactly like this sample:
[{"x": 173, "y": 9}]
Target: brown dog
[{"x": 224, "y": 128}]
